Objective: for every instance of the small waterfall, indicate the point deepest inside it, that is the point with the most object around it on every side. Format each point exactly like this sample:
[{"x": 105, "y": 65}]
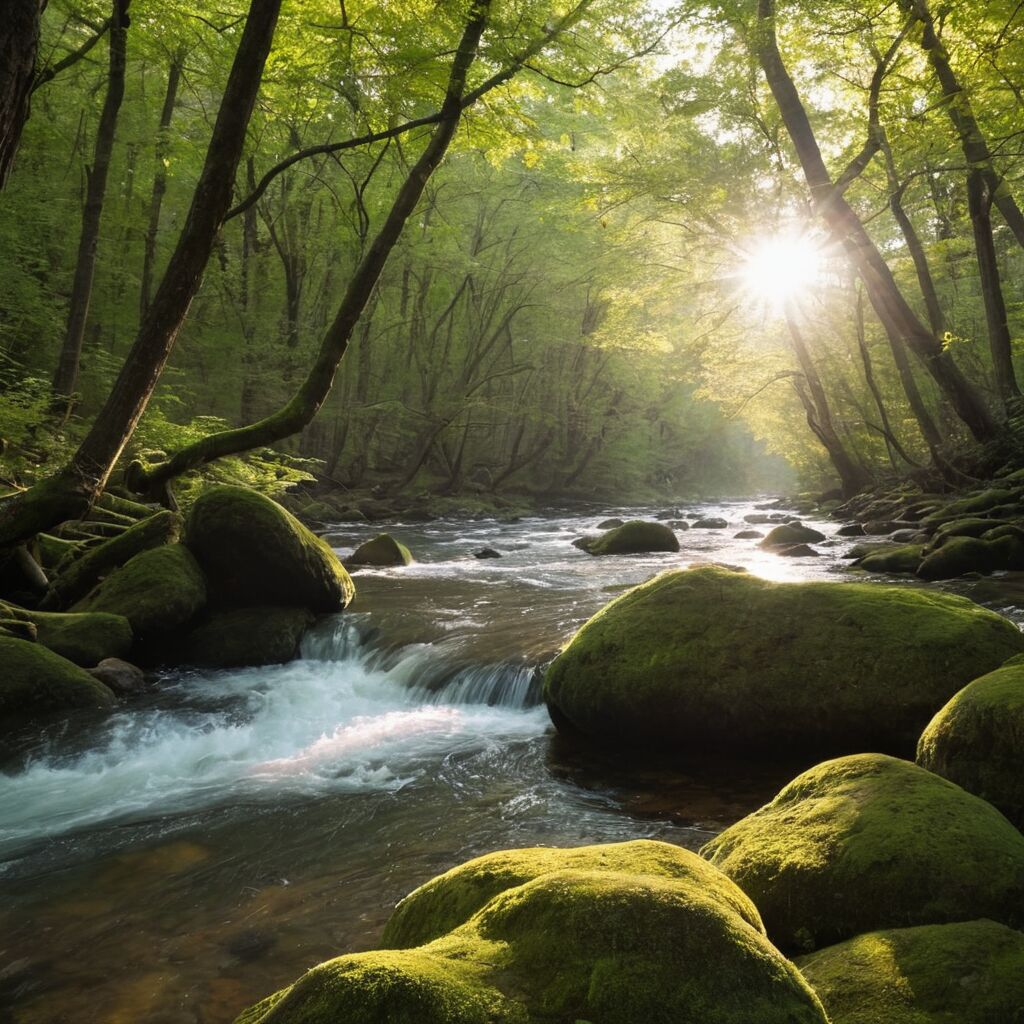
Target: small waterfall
[{"x": 433, "y": 673}]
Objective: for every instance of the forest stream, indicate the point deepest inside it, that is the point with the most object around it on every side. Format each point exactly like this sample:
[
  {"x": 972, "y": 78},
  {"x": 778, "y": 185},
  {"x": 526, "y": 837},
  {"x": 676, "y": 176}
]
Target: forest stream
[{"x": 198, "y": 849}]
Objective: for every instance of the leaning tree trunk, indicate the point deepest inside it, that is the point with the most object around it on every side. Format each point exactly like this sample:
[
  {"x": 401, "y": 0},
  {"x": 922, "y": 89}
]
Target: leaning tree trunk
[
  {"x": 19, "y": 44},
  {"x": 71, "y": 491},
  {"x": 888, "y": 301},
  {"x": 311, "y": 394},
  {"x": 65, "y": 379}
]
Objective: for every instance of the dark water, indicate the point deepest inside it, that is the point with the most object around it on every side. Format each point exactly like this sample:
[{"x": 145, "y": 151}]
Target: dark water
[{"x": 178, "y": 860}]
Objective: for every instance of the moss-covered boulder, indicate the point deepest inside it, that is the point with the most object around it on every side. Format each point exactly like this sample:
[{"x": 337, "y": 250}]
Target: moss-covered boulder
[
  {"x": 982, "y": 501},
  {"x": 382, "y": 551},
  {"x": 977, "y": 740},
  {"x": 868, "y": 842},
  {"x": 712, "y": 658},
  {"x": 86, "y": 638},
  {"x": 255, "y": 553},
  {"x": 748, "y": 535},
  {"x": 956, "y": 557},
  {"x": 237, "y": 637},
  {"x": 903, "y": 559},
  {"x": 638, "y": 933},
  {"x": 788, "y": 534},
  {"x": 637, "y": 536},
  {"x": 962, "y": 528},
  {"x": 34, "y": 681},
  {"x": 157, "y": 591},
  {"x": 966, "y": 973}
]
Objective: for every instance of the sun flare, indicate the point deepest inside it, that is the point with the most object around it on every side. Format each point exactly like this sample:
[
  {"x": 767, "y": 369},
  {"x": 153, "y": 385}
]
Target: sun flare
[{"x": 782, "y": 267}]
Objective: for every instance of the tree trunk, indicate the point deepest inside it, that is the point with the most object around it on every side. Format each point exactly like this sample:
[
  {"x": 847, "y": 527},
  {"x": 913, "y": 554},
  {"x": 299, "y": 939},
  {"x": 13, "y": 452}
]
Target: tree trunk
[
  {"x": 884, "y": 294},
  {"x": 978, "y": 205},
  {"x": 961, "y": 113},
  {"x": 306, "y": 402},
  {"x": 19, "y": 44},
  {"x": 65, "y": 379},
  {"x": 852, "y": 477},
  {"x": 159, "y": 182},
  {"x": 74, "y": 488}
]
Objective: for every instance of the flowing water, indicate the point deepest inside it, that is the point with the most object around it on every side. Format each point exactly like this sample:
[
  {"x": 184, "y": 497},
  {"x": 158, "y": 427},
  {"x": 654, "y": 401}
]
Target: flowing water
[{"x": 183, "y": 857}]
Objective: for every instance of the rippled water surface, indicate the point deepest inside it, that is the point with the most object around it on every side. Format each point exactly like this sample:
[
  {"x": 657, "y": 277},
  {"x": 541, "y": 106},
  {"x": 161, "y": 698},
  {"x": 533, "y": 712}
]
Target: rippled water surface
[{"x": 185, "y": 856}]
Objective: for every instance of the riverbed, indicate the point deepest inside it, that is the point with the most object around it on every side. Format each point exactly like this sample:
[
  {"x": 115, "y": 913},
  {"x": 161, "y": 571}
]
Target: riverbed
[{"x": 199, "y": 848}]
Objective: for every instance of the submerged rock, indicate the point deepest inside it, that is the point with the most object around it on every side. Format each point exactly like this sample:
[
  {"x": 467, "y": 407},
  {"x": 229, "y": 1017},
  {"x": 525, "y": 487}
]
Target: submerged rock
[
  {"x": 254, "y": 552},
  {"x": 748, "y": 535},
  {"x": 798, "y": 551},
  {"x": 609, "y": 524},
  {"x": 971, "y": 972},
  {"x": 486, "y": 553},
  {"x": 635, "y": 537},
  {"x": 712, "y": 523},
  {"x": 383, "y": 550},
  {"x": 709, "y": 658},
  {"x": 241, "y": 637},
  {"x": 34, "y": 681},
  {"x": 869, "y": 842},
  {"x": 790, "y": 534},
  {"x": 977, "y": 740},
  {"x": 157, "y": 591},
  {"x": 631, "y": 933}
]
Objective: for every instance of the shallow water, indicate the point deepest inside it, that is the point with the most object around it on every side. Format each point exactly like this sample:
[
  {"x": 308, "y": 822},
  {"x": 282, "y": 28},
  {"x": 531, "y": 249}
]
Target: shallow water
[{"x": 183, "y": 857}]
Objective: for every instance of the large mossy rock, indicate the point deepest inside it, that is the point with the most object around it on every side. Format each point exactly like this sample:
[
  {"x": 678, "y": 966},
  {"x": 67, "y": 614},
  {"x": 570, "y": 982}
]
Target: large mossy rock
[
  {"x": 239, "y": 637},
  {"x": 638, "y": 536},
  {"x": 966, "y": 973},
  {"x": 637, "y": 933},
  {"x": 712, "y": 658},
  {"x": 157, "y": 591},
  {"x": 256, "y": 553},
  {"x": 903, "y": 559},
  {"x": 34, "y": 681},
  {"x": 977, "y": 740},
  {"x": 382, "y": 551},
  {"x": 957, "y": 556},
  {"x": 868, "y": 842},
  {"x": 86, "y": 638},
  {"x": 788, "y": 534}
]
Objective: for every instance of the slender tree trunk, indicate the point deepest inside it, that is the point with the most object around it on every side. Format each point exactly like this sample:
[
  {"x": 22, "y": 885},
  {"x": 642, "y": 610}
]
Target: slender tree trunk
[
  {"x": 884, "y": 294},
  {"x": 19, "y": 44},
  {"x": 73, "y": 489},
  {"x": 978, "y": 205},
  {"x": 156, "y": 198},
  {"x": 65, "y": 379},
  {"x": 303, "y": 406},
  {"x": 961, "y": 113},
  {"x": 852, "y": 477}
]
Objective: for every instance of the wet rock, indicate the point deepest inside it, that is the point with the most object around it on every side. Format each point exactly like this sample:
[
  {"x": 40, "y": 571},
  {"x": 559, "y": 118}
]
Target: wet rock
[
  {"x": 971, "y": 972},
  {"x": 486, "y": 553},
  {"x": 85, "y": 638},
  {"x": 157, "y": 591},
  {"x": 678, "y": 524},
  {"x": 850, "y": 530},
  {"x": 748, "y": 535},
  {"x": 634, "y": 537},
  {"x": 241, "y": 637},
  {"x": 631, "y": 933},
  {"x": 609, "y": 524},
  {"x": 789, "y": 534},
  {"x": 977, "y": 740},
  {"x": 869, "y": 842},
  {"x": 904, "y": 559},
  {"x": 956, "y": 557},
  {"x": 382, "y": 551},
  {"x": 712, "y": 523},
  {"x": 711, "y": 659},
  {"x": 254, "y": 552},
  {"x": 120, "y": 676},
  {"x": 798, "y": 551},
  {"x": 36, "y": 681}
]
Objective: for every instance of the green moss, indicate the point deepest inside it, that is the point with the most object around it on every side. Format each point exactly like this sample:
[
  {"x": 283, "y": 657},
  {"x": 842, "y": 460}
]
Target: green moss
[
  {"x": 869, "y": 842},
  {"x": 86, "y": 639},
  {"x": 903, "y": 559},
  {"x": 962, "y": 528},
  {"x": 637, "y": 536},
  {"x": 246, "y": 636},
  {"x": 383, "y": 550},
  {"x": 791, "y": 533},
  {"x": 966, "y": 973},
  {"x": 981, "y": 502},
  {"x": 638, "y": 933},
  {"x": 451, "y": 899},
  {"x": 977, "y": 740},
  {"x": 957, "y": 556},
  {"x": 256, "y": 553},
  {"x": 157, "y": 591},
  {"x": 34, "y": 680},
  {"x": 711, "y": 658}
]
